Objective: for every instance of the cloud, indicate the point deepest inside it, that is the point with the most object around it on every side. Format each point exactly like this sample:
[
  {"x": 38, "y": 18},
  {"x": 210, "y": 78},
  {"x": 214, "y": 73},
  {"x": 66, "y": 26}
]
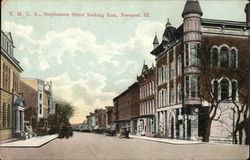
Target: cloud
[{"x": 84, "y": 71}]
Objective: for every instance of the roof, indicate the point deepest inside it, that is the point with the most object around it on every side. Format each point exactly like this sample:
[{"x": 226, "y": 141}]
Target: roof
[
  {"x": 124, "y": 92},
  {"x": 20, "y": 102},
  {"x": 192, "y": 6},
  {"x": 227, "y": 23}
]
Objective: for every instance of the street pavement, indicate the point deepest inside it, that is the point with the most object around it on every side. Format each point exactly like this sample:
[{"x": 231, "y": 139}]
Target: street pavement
[{"x": 89, "y": 146}]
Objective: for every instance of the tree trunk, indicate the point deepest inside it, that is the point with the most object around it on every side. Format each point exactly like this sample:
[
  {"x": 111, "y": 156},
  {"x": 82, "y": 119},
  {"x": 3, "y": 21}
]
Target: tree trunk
[{"x": 206, "y": 136}]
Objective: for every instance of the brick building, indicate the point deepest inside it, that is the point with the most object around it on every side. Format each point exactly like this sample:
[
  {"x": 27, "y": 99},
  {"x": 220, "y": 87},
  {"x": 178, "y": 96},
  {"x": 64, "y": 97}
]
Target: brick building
[
  {"x": 146, "y": 122},
  {"x": 11, "y": 113},
  {"x": 100, "y": 115},
  {"x": 126, "y": 108},
  {"x": 110, "y": 117},
  {"x": 183, "y": 60},
  {"x": 38, "y": 96}
]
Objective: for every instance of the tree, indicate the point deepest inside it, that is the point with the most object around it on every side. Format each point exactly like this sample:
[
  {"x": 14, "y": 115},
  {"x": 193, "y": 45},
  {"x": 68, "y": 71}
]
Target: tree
[
  {"x": 64, "y": 111},
  {"x": 210, "y": 70}
]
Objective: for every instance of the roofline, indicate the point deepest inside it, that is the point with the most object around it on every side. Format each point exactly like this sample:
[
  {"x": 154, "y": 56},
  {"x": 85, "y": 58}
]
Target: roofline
[
  {"x": 135, "y": 83},
  {"x": 12, "y": 60},
  {"x": 216, "y": 22}
]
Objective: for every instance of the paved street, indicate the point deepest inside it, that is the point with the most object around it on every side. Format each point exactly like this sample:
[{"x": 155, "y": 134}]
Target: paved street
[{"x": 90, "y": 146}]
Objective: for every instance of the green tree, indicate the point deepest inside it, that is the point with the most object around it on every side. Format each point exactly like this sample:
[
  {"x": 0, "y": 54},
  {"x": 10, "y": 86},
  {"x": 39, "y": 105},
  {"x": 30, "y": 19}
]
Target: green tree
[{"x": 65, "y": 110}]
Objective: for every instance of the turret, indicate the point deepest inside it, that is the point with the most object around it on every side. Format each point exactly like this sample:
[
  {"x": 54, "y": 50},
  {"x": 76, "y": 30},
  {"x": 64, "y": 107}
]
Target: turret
[
  {"x": 191, "y": 39},
  {"x": 155, "y": 42}
]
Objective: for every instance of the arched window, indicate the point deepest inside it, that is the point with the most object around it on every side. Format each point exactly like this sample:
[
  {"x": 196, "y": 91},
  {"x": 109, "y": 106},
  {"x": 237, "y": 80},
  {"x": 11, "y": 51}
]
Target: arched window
[
  {"x": 224, "y": 89},
  {"x": 233, "y": 58},
  {"x": 150, "y": 89},
  {"x": 215, "y": 87},
  {"x": 163, "y": 75},
  {"x": 215, "y": 57},
  {"x": 224, "y": 57},
  {"x": 234, "y": 90},
  {"x": 179, "y": 65},
  {"x": 159, "y": 99}
]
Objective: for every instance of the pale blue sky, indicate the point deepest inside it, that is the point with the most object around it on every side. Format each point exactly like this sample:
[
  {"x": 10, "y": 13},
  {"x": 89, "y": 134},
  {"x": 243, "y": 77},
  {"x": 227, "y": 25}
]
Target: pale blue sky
[{"x": 90, "y": 59}]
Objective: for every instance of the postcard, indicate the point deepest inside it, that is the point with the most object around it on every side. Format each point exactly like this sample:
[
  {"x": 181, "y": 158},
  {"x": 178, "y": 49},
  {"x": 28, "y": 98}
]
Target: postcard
[{"x": 132, "y": 79}]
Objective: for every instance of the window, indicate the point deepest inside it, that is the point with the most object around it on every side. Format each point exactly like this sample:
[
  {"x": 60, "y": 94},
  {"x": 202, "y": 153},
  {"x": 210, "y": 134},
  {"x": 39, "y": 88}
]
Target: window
[
  {"x": 40, "y": 96},
  {"x": 194, "y": 85},
  {"x": 179, "y": 65},
  {"x": 171, "y": 95},
  {"x": 162, "y": 98},
  {"x": 224, "y": 89},
  {"x": 234, "y": 90},
  {"x": 159, "y": 76},
  {"x": 187, "y": 55},
  {"x": 233, "y": 58},
  {"x": 187, "y": 86},
  {"x": 9, "y": 116},
  {"x": 215, "y": 89},
  {"x": 224, "y": 57},
  {"x": 4, "y": 115},
  {"x": 40, "y": 109},
  {"x": 179, "y": 93},
  {"x": 215, "y": 57},
  {"x": 193, "y": 54},
  {"x": 171, "y": 70}
]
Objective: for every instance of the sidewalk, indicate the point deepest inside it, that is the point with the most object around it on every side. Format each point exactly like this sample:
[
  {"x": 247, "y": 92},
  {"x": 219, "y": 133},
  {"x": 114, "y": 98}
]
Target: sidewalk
[
  {"x": 164, "y": 140},
  {"x": 34, "y": 142}
]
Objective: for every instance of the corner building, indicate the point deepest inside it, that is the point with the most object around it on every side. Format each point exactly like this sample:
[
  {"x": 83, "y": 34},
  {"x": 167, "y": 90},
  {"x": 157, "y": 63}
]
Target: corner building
[
  {"x": 11, "y": 115},
  {"x": 178, "y": 74}
]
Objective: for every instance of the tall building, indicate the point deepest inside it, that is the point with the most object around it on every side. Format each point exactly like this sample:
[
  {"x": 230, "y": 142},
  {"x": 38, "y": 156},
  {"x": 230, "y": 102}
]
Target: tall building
[
  {"x": 11, "y": 114},
  {"x": 146, "y": 122},
  {"x": 194, "y": 66},
  {"x": 38, "y": 96}
]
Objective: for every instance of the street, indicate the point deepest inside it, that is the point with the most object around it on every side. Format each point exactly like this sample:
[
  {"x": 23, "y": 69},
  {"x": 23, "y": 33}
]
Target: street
[{"x": 89, "y": 146}]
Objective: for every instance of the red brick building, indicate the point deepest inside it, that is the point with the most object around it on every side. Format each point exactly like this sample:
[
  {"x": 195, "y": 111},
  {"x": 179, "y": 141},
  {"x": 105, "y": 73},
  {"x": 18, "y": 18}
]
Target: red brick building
[
  {"x": 194, "y": 66},
  {"x": 146, "y": 123},
  {"x": 126, "y": 108},
  {"x": 100, "y": 115}
]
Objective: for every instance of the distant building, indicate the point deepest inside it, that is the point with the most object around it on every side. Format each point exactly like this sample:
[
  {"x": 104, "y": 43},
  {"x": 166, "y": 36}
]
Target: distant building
[
  {"x": 126, "y": 108},
  {"x": 109, "y": 117},
  {"x": 146, "y": 123},
  {"x": 100, "y": 115},
  {"x": 11, "y": 112},
  {"x": 38, "y": 96}
]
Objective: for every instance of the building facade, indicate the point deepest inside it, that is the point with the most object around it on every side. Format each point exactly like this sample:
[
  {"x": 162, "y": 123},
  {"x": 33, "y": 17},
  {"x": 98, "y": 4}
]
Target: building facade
[
  {"x": 146, "y": 122},
  {"x": 126, "y": 108},
  {"x": 11, "y": 117},
  {"x": 38, "y": 96},
  {"x": 197, "y": 56}
]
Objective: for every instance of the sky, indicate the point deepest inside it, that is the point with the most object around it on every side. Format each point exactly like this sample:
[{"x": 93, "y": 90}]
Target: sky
[{"x": 92, "y": 59}]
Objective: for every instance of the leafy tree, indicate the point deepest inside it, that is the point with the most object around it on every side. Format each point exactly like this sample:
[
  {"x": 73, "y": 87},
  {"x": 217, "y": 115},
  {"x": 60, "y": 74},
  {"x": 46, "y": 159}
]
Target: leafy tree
[{"x": 64, "y": 111}]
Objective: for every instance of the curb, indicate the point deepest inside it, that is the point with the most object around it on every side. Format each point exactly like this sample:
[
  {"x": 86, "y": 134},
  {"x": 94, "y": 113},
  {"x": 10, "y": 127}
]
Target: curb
[
  {"x": 168, "y": 142},
  {"x": 38, "y": 146}
]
